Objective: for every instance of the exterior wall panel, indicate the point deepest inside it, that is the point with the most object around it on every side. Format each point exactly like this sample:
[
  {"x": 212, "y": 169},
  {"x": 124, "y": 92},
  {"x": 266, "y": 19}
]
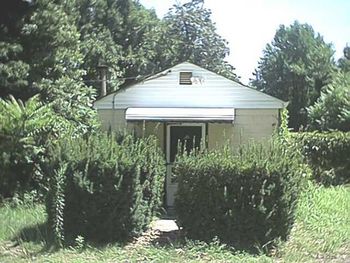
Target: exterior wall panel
[
  {"x": 255, "y": 124},
  {"x": 249, "y": 124},
  {"x": 147, "y": 128},
  {"x": 112, "y": 119}
]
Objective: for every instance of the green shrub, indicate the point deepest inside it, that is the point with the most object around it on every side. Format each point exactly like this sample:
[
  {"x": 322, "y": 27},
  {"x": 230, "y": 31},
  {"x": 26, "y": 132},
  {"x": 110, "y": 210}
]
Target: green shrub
[
  {"x": 24, "y": 129},
  {"x": 328, "y": 154},
  {"x": 104, "y": 190},
  {"x": 246, "y": 198},
  {"x": 331, "y": 111}
]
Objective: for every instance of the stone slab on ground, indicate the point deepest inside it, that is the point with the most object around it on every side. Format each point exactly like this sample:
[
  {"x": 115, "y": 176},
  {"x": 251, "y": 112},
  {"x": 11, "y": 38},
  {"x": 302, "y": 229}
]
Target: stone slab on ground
[
  {"x": 165, "y": 225},
  {"x": 161, "y": 232}
]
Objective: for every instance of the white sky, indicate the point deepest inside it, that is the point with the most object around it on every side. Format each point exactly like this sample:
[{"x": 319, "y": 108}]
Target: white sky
[{"x": 248, "y": 25}]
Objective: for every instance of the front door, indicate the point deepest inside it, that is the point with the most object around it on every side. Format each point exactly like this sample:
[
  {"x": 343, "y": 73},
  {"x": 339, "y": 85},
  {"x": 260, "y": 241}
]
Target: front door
[{"x": 184, "y": 136}]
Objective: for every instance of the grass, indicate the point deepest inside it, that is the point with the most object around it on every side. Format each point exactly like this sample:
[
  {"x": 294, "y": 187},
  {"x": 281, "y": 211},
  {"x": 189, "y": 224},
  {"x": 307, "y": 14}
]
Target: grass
[
  {"x": 16, "y": 220},
  {"x": 322, "y": 229},
  {"x": 321, "y": 234}
]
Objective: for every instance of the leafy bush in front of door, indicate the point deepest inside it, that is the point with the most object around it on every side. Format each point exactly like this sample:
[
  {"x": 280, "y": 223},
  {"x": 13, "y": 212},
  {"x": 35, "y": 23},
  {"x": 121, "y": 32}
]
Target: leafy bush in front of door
[
  {"x": 246, "y": 198},
  {"x": 103, "y": 188}
]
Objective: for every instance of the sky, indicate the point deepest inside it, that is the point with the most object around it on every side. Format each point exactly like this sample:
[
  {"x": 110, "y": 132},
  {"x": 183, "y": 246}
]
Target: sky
[{"x": 248, "y": 25}]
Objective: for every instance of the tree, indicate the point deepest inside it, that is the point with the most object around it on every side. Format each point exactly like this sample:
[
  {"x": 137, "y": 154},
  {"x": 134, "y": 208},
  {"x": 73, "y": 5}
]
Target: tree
[
  {"x": 41, "y": 55},
  {"x": 344, "y": 62},
  {"x": 133, "y": 42},
  {"x": 52, "y": 48},
  {"x": 117, "y": 33},
  {"x": 138, "y": 29},
  {"x": 295, "y": 67},
  {"x": 59, "y": 44},
  {"x": 332, "y": 110},
  {"x": 96, "y": 22},
  {"x": 13, "y": 70},
  {"x": 190, "y": 35}
]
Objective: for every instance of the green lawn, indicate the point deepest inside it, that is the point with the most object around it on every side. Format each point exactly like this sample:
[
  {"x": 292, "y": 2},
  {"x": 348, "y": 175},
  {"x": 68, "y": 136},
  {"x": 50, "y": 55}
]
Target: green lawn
[{"x": 321, "y": 234}]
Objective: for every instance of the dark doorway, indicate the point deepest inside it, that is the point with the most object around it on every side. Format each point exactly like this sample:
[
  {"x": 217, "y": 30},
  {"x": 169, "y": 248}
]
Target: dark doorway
[{"x": 184, "y": 137}]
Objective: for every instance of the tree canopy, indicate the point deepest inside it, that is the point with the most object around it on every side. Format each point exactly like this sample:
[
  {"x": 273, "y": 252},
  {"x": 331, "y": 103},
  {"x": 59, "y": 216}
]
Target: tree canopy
[
  {"x": 44, "y": 40},
  {"x": 332, "y": 109},
  {"x": 295, "y": 67},
  {"x": 191, "y": 35},
  {"x": 116, "y": 33},
  {"x": 344, "y": 62},
  {"x": 13, "y": 70}
]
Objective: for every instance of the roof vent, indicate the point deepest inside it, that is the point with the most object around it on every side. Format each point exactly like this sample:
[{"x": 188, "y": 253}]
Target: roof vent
[{"x": 185, "y": 78}]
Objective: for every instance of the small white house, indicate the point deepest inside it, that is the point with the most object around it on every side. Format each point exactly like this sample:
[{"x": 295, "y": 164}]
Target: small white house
[{"x": 189, "y": 103}]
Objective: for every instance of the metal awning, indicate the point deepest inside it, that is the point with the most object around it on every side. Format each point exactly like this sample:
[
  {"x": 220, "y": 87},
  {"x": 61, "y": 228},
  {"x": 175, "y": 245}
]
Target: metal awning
[{"x": 180, "y": 114}]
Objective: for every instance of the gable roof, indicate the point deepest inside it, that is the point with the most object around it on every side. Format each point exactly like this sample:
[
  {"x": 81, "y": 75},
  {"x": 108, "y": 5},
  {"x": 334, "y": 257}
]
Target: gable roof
[{"x": 212, "y": 91}]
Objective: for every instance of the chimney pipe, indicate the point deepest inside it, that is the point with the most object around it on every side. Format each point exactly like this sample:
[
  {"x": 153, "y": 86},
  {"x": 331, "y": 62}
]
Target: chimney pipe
[{"x": 103, "y": 77}]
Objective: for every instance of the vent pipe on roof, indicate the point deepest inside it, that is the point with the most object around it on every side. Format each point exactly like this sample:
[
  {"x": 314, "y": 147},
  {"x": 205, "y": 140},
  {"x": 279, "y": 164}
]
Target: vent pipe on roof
[{"x": 103, "y": 77}]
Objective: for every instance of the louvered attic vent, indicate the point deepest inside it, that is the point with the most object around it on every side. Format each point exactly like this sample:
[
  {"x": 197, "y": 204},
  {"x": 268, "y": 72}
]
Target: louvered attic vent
[{"x": 185, "y": 78}]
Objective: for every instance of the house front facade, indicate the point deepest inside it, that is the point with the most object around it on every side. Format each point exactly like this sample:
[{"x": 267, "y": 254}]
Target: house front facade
[{"x": 192, "y": 105}]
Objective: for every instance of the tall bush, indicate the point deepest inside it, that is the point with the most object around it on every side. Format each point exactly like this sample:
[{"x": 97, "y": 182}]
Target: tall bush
[
  {"x": 328, "y": 154},
  {"x": 245, "y": 198},
  {"x": 112, "y": 189},
  {"x": 24, "y": 129}
]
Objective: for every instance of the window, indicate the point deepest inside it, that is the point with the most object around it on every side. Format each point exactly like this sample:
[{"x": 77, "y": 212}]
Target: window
[{"x": 185, "y": 78}]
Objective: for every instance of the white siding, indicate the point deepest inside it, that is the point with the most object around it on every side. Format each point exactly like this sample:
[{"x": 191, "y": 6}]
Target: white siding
[
  {"x": 248, "y": 125},
  {"x": 112, "y": 119},
  {"x": 144, "y": 129},
  {"x": 164, "y": 91},
  {"x": 220, "y": 135},
  {"x": 254, "y": 124},
  {"x": 116, "y": 122}
]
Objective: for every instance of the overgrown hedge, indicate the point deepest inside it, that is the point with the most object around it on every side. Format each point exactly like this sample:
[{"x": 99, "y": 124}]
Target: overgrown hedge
[
  {"x": 328, "y": 154},
  {"x": 104, "y": 188},
  {"x": 246, "y": 198}
]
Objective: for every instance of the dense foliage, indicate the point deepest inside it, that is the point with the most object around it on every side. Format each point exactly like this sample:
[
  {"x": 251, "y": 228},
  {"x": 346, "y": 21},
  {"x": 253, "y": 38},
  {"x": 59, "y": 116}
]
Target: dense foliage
[
  {"x": 119, "y": 34},
  {"x": 42, "y": 54},
  {"x": 13, "y": 69},
  {"x": 105, "y": 188},
  {"x": 295, "y": 67},
  {"x": 24, "y": 130},
  {"x": 192, "y": 36},
  {"x": 43, "y": 40},
  {"x": 328, "y": 154},
  {"x": 332, "y": 109},
  {"x": 55, "y": 64},
  {"x": 344, "y": 62},
  {"x": 246, "y": 198}
]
